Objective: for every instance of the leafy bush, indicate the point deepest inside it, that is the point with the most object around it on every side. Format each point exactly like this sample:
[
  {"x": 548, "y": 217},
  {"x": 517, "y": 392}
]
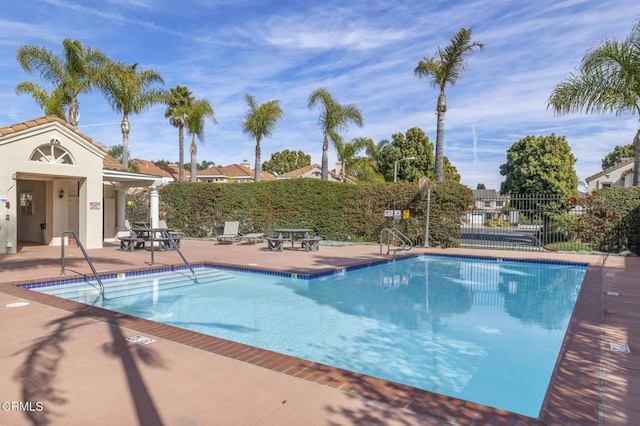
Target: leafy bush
[
  {"x": 611, "y": 221},
  {"x": 336, "y": 211}
]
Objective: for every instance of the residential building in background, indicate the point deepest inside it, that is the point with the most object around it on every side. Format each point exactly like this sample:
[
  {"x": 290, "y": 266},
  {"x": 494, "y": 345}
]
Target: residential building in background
[{"x": 620, "y": 174}]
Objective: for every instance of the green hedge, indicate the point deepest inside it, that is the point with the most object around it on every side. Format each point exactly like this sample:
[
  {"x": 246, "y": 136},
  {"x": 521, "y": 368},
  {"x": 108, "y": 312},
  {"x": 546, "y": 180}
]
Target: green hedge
[
  {"x": 339, "y": 212},
  {"x": 611, "y": 220}
]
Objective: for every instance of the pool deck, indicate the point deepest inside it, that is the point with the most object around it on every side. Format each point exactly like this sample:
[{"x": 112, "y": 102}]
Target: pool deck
[{"x": 75, "y": 366}]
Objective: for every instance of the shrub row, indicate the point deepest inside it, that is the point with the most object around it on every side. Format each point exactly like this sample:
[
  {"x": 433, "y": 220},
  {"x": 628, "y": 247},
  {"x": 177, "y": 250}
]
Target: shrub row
[
  {"x": 611, "y": 220},
  {"x": 339, "y": 212}
]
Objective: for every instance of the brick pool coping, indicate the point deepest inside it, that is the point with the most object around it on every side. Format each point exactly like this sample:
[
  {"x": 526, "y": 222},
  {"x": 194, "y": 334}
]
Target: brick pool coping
[{"x": 576, "y": 355}]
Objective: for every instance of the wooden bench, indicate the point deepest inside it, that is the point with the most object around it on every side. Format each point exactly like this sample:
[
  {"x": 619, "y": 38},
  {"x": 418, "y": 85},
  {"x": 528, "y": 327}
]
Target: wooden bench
[
  {"x": 275, "y": 243},
  {"x": 311, "y": 243},
  {"x": 131, "y": 243},
  {"x": 164, "y": 243}
]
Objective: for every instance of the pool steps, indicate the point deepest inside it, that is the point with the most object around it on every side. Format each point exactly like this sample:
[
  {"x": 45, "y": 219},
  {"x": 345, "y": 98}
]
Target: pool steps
[{"x": 116, "y": 288}]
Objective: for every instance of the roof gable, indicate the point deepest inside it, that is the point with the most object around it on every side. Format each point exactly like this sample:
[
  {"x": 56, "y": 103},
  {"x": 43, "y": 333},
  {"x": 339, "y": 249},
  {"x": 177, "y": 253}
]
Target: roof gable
[
  {"x": 625, "y": 162},
  {"x": 109, "y": 163}
]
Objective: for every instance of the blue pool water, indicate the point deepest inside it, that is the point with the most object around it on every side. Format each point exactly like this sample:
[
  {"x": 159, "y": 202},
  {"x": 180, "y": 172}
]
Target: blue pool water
[{"x": 483, "y": 330}]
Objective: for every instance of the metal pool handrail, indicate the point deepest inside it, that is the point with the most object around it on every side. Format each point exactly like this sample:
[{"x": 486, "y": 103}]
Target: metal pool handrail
[
  {"x": 84, "y": 252},
  {"x": 407, "y": 244},
  {"x": 166, "y": 235}
]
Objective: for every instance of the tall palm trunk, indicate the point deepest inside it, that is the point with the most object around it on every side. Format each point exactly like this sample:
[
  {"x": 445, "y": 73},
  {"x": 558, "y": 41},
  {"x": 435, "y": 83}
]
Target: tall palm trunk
[
  {"x": 194, "y": 161},
  {"x": 440, "y": 110},
  {"x": 124, "y": 125},
  {"x": 325, "y": 158},
  {"x": 181, "y": 153},
  {"x": 73, "y": 116},
  {"x": 636, "y": 159},
  {"x": 257, "y": 177}
]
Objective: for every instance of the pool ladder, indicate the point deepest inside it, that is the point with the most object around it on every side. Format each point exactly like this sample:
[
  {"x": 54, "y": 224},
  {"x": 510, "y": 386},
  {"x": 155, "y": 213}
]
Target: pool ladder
[
  {"x": 84, "y": 253},
  {"x": 393, "y": 236}
]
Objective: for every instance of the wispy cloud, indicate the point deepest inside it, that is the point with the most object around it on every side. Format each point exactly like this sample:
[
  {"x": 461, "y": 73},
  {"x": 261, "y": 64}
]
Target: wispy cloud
[{"x": 363, "y": 51}]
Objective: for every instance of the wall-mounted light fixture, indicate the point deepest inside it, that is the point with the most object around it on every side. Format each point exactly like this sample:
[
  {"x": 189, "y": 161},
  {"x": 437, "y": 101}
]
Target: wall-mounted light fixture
[{"x": 61, "y": 193}]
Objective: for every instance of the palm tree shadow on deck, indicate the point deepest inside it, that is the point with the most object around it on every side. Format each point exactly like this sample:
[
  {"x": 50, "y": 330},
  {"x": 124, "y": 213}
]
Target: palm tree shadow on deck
[{"x": 39, "y": 370}]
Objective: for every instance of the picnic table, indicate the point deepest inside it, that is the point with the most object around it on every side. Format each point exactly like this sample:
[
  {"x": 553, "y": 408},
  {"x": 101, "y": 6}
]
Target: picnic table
[
  {"x": 141, "y": 235},
  {"x": 295, "y": 235}
]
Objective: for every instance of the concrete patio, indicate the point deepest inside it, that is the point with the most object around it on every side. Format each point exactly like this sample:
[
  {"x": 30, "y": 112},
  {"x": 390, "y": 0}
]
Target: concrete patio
[{"x": 77, "y": 364}]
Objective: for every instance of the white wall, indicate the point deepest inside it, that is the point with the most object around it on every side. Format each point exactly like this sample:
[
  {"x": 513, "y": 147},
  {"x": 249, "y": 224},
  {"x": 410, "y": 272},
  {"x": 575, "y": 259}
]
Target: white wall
[{"x": 49, "y": 178}]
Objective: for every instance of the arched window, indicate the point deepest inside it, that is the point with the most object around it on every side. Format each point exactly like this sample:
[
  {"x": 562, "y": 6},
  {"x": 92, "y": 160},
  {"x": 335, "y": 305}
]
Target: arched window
[{"x": 51, "y": 153}]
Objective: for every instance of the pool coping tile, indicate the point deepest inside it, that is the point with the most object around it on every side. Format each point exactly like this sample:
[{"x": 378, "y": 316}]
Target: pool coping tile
[{"x": 577, "y": 348}]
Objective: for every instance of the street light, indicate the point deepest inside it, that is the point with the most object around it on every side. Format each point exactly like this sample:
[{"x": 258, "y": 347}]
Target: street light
[{"x": 395, "y": 167}]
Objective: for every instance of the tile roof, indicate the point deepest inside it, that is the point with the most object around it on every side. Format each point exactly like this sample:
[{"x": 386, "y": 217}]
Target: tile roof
[
  {"x": 160, "y": 169},
  {"x": 109, "y": 163},
  {"x": 481, "y": 194},
  {"x": 300, "y": 172},
  {"x": 623, "y": 163},
  {"x": 235, "y": 171}
]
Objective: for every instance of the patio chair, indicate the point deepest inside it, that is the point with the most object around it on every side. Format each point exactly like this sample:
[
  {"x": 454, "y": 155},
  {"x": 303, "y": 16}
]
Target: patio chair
[
  {"x": 230, "y": 233},
  {"x": 252, "y": 237}
]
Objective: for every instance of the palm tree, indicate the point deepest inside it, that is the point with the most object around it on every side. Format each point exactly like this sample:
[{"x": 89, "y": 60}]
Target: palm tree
[
  {"x": 367, "y": 168},
  {"x": 70, "y": 75},
  {"x": 347, "y": 154},
  {"x": 116, "y": 152},
  {"x": 333, "y": 118},
  {"x": 445, "y": 68},
  {"x": 608, "y": 80},
  {"x": 204, "y": 164},
  {"x": 180, "y": 98},
  {"x": 196, "y": 112},
  {"x": 259, "y": 121},
  {"x": 128, "y": 91},
  {"x": 51, "y": 103}
]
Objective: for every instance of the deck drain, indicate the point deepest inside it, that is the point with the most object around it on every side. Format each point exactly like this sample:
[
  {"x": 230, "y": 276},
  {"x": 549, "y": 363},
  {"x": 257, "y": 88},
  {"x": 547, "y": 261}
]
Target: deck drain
[
  {"x": 140, "y": 340},
  {"x": 613, "y": 293},
  {"x": 620, "y": 347},
  {"x": 16, "y": 304}
]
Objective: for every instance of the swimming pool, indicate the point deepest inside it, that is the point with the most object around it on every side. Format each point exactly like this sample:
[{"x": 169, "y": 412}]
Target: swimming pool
[{"x": 483, "y": 330}]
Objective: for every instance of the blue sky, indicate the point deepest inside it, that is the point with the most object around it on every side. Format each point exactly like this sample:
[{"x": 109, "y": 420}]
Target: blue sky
[{"x": 363, "y": 52}]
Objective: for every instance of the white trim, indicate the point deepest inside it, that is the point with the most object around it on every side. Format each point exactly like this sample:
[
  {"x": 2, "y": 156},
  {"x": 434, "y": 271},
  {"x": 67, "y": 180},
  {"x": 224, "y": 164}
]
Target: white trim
[{"x": 121, "y": 176}]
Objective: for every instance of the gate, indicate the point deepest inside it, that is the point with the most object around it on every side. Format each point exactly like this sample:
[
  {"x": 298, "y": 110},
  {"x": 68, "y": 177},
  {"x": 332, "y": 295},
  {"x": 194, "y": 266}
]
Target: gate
[{"x": 517, "y": 222}]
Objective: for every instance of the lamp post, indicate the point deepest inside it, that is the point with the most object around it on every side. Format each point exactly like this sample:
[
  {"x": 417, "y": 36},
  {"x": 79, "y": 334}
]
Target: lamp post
[{"x": 395, "y": 167}]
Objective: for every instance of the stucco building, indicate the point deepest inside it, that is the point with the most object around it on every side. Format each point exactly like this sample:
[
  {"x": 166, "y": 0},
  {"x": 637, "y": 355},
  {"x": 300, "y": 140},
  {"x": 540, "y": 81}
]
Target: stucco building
[
  {"x": 54, "y": 178},
  {"x": 620, "y": 174}
]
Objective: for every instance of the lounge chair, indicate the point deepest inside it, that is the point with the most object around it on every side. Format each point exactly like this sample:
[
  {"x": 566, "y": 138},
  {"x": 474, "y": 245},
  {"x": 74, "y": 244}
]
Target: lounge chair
[
  {"x": 252, "y": 237},
  {"x": 230, "y": 233},
  {"x": 172, "y": 232}
]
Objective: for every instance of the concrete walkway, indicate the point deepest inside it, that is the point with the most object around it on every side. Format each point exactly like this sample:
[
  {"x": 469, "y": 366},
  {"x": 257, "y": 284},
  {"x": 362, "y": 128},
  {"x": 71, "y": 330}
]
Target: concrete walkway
[{"x": 75, "y": 365}]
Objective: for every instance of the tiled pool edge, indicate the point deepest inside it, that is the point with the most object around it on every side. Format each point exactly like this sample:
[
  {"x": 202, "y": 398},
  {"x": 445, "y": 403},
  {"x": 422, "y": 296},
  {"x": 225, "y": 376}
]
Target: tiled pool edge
[
  {"x": 416, "y": 400},
  {"x": 438, "y": 406},
  {"x": 303, "y": 275},
  {"x": 577, "y": 354}
]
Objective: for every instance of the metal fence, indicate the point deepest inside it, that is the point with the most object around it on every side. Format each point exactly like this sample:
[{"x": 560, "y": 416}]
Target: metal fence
[{"x": 519, "y": 222}]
